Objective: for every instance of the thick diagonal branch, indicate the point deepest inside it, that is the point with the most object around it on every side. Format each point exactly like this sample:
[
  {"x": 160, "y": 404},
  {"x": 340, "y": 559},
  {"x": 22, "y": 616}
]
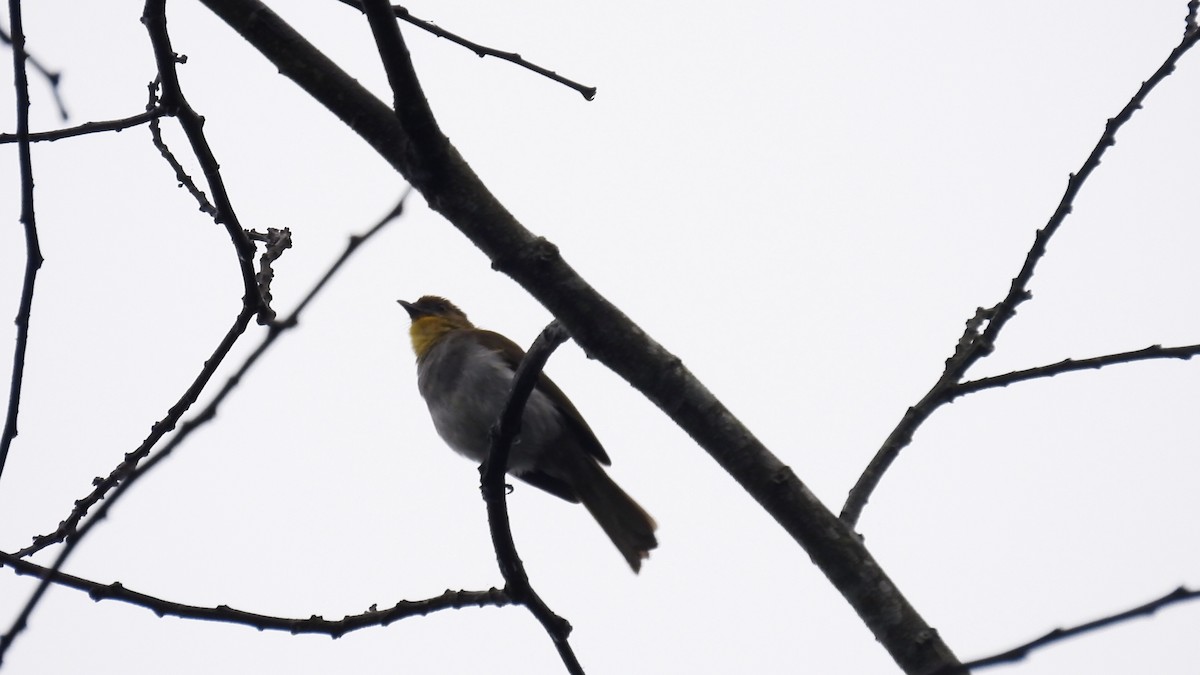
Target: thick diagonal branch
[{"x": 437, "y": 170}]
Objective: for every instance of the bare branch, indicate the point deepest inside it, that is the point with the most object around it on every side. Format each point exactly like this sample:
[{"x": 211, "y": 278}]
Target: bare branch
[
  {"x": 481, "y": 51},
  {"x": 1072, "y": 365},
  {"x": 225, "y": 614},
  {"x": 1018, "y": 291},
  {"x": 33, "y": 250},
  {"x": 1189, "y": 24},
  {"x": 181, "y": 175},
  {"x": 53, "y": 77},
  {"x": 154, "y": 18},
  {"x": 492, "y": 474},
  {"x": 1178, "y": 595},
  {"x": 979, "y": 346},
  {"x": 88, "y": 128}
]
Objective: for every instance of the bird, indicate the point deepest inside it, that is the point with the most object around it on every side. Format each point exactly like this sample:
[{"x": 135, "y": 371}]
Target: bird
[{"x": 464, "y": 374}]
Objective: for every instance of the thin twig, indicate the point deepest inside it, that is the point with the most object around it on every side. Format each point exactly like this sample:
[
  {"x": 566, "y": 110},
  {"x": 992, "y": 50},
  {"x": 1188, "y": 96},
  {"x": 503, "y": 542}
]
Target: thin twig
[
  {"x": 68, "y": 526},
  {"x": 981, "y": 343},
  {"x": 481, "y": 51},
  {"x": 492, "y": 474},
  {"x": 181, "y": 175},
  {"x": 223, "y": 613},
  {"x": 945, "y": 391},
  {"x": 154, "y": 18},
  {"x": 52, "y": 76},
  {"x": 1178, "y": 595},
  {"x": 1152, "y": 352},
  {"x": 33, "y": 250},
  {"x": 1189, "y": 23},
  {"x": 89, "y": 127}
]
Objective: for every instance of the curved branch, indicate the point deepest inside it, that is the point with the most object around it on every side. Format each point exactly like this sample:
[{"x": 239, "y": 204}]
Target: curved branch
[
  {"x": 492, "y": 474},
  {"x": 226, "y": 614},
  {"x": 411, "y": 142},
  {"x": 154, "y": 17},
  {"x": 88, "y": 128}
]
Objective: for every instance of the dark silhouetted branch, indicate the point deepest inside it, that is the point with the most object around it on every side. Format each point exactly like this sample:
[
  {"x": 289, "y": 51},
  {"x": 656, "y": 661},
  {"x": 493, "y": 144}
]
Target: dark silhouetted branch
[
  {"x": 492, "y": 473},
  {"x": 334, "y": 628},
  {"x": 88, "y": 128},
  {"x": 1178, "y": 595},
  {"x": 982, "y": 332},
  {"x": 154, "y": 18},
  {"x": 33, "y": 250},
  {"x": 53, "y": 77},
  {"x": 481, "y": 51},
  {"x": 1153, "y": 352}
]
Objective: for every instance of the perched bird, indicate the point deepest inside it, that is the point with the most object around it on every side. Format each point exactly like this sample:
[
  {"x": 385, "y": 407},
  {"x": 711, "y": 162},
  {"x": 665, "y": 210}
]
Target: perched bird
[{"x": 464, "y": 374}]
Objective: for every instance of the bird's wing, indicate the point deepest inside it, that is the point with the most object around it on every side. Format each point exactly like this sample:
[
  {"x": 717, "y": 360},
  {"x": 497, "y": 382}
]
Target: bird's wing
[{"x": 513, "y": 354}]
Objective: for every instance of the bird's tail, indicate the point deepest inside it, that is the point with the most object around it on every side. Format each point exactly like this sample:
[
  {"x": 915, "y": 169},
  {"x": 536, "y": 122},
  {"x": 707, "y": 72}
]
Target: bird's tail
[{"x": 626, "y": 524}]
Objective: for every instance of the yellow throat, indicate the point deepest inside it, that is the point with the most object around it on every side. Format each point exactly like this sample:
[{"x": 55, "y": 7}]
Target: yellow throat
[{"x": 427, "y": 330}]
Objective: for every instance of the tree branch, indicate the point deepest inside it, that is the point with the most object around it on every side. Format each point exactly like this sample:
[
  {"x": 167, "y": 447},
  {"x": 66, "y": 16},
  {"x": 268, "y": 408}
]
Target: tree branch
[
  {"x": 181, "y": 175},
  {"x": 481, "y": 51},
  {"x": 1073, "y": 365},
  {"x": 53, "y": 77},
  {"x": 434, "y": 167},
  {"x": 88, "y": 128},
  {"x": 978, "y": 344},
  {"x": 492, "y": 474},
  {"x": 1018, "y": 653},
  {"x": 154, "y": 18},
  {"x": 33, "y": 250},
  {"x": 225, "y": 614}
]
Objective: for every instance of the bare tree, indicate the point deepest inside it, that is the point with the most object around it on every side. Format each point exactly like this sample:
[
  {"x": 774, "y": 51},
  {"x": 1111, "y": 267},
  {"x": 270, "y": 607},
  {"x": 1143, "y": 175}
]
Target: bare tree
[{"x": 408, "y": 137}]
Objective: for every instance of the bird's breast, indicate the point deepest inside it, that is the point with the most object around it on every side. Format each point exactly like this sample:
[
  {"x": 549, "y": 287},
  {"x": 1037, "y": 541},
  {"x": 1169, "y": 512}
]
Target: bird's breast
[{"x": 466, "y": 385}]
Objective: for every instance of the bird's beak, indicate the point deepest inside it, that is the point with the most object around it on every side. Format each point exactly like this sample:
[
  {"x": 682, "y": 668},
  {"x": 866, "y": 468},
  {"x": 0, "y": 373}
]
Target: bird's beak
[{"x": 412, "y": 310}]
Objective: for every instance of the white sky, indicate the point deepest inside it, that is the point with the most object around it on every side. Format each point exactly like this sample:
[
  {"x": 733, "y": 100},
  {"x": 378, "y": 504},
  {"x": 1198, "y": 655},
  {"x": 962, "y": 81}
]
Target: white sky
[{"x": 803, "y": 201}]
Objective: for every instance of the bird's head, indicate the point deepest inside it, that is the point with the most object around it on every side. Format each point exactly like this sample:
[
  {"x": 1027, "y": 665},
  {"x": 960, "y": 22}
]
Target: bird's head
[{"x": 432, "y": 318}]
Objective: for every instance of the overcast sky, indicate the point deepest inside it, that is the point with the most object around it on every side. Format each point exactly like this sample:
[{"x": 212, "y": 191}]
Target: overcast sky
[{"x": 804, "y": 201}]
